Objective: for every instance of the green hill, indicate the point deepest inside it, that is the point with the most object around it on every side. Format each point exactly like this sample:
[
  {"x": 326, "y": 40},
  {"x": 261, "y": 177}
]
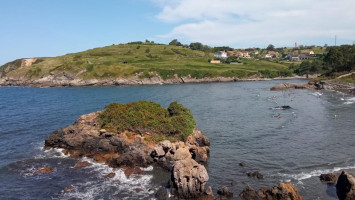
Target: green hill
[{"x": 138, "y": 59}]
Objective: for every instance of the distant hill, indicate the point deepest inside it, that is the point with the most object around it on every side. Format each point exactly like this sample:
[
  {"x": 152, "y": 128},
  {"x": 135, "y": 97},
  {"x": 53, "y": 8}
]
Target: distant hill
[{"x": 136, "y": 59}]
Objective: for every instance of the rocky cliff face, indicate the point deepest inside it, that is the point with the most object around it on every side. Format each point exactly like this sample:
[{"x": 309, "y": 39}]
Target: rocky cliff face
[{"x": 85, "y": 138}]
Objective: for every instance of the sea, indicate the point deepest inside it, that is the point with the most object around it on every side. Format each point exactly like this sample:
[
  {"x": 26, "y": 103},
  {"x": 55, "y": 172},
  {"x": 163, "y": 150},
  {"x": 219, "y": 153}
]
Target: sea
[{"x": 243, "y": 121}]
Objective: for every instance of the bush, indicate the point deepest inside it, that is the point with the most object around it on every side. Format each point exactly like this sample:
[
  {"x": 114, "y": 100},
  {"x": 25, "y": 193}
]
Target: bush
[{"x": 175, "y": 123}]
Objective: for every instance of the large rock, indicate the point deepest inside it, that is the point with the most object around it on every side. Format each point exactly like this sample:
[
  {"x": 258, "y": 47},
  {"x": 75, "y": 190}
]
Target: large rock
[
  {"x": 288, "y": 86},
  {"x": 188, "y": 179},
  {"x": 283, "y": 191},
  {"x": 345, "y": 186},
  {"x": 196, "y": 147},
  {"x": 329, "y": 178},
  {"x": 85, "y": 138}
]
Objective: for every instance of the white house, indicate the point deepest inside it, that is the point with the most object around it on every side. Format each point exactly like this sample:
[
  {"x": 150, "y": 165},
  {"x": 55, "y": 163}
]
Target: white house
[{"x": 221, "y": 54}]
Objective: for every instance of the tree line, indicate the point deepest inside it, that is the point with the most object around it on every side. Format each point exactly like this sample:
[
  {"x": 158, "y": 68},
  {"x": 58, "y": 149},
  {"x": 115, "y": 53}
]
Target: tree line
[{"x": 338, "y": 59}]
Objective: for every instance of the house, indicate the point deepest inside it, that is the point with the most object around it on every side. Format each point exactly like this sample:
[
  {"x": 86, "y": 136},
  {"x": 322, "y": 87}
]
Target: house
[
  {"x": 293, "y": 57},
  {"x": 230, "y": 53},
  {"x": 310, "y": 53},
  {"x": 303, "y": 57},
  {"x": 246, "y": 54},
  {"x": 215, "y": 61},
  {"x": 268, "y": 56},
  {"x": 221, "y": 54}
]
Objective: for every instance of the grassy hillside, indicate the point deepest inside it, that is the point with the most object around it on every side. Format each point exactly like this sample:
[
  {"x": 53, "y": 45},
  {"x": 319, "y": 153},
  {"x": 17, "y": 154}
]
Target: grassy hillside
[{"x": 145, "y": 59}]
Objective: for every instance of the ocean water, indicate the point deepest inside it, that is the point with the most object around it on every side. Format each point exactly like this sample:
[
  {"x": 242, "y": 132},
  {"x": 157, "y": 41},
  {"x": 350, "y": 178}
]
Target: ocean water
[{"x": 238, "y": 117}]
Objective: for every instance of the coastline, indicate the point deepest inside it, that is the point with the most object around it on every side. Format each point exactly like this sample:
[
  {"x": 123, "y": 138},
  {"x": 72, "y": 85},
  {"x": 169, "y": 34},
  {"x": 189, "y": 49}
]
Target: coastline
[{"x": 65, "y": 81}]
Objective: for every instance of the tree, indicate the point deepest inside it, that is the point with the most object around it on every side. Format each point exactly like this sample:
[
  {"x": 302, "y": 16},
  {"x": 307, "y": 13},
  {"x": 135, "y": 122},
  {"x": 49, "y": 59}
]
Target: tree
[
  {"x": 175, "y": 42},
  {"x": 196, "y": 46},
  {"x": 270, "y": 47}
]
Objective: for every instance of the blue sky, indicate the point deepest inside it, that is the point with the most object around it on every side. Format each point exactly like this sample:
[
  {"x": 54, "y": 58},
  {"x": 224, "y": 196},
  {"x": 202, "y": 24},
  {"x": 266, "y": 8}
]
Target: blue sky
[{"x": 38, "y": 28}]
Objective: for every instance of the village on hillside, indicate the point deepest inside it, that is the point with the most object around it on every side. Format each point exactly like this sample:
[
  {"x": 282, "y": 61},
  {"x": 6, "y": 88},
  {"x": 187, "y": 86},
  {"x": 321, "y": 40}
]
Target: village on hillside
[{"x": 291, "y": 54}]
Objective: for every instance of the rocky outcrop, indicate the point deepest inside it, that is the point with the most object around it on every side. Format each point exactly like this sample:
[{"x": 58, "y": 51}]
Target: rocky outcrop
[
  {"x": 84, "y": 138},
  {"x": 128, "y": 150},
  {"x": 196, "y": 147},
  {"x": 288, "y": 86},
  {"x": 329, "y": 178},
  {"x": 188, "y": 179},
  {"x": 283, "y": 191},
  {"x": 345, "y": 186}
]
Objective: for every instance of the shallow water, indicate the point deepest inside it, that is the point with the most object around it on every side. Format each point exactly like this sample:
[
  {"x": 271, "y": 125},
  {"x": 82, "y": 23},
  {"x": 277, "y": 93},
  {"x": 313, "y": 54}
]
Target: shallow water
[{"x": 304, "y": 142}]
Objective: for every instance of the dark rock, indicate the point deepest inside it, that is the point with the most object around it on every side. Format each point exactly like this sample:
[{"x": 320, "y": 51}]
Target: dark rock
[
  {"x": 345, "y": 186},
  {"x": 188, "y": 179},
  {"x": 132, "y": 170},
  {"x": 111, "y": 175},
  {"x": 224, "y": 192},
  {"x": 242, "y": 164},
  {"x": 283, "y": 191},
  {"x": 69, "y": 188},
  {"x": 255, "y": 174},
  {"x": 44, "y": 170},
  {"x": 329, "y": 178},
  {"x": 162, "y": 194}
]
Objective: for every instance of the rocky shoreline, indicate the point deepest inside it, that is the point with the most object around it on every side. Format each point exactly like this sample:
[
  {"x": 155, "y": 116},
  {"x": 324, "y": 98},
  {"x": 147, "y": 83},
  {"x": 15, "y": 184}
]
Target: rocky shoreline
[
  {"x": 348, "y": 88},
  {"x": 67, "y": 80}
]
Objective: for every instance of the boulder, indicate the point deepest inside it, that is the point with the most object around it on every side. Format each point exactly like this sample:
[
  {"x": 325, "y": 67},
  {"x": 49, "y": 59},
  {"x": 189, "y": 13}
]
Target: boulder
[
  {"x": 255, "y": 174},
  {"x": 68, "y": 188},
  {"x": 242, "y": 164},
  {"x": 111, "y": 175},
  {"x": 329, "y": 178},
  {"x": 82, "y": 164},
  {"x": 188, "y": 179},
  {"x": 224, "y": 192},
  {"x": 345, "y": 186},
  {"x": 283, "y": 191}
]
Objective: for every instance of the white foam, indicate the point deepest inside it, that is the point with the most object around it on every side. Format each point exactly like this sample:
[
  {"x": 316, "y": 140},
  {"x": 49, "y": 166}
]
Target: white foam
[
  {"x": 147, "y": 169},
  {"x": 317, "y": 94},
  {"x": 351, "y": 99},
  {"x": 136, "y": 186},
  {"x": 348, "y": 102},
  {"x": 307, "y": 175}
]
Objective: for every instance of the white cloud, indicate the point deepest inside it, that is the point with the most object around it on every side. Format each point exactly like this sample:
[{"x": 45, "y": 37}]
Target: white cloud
[{"x": 258, "y": 22}]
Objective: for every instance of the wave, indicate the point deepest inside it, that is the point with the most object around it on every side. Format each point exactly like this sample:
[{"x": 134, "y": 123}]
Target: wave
[
  {"x": 314, "y": 173},
  {"x": 119, "y": 187},
  {"x": 348, "y": 102}
]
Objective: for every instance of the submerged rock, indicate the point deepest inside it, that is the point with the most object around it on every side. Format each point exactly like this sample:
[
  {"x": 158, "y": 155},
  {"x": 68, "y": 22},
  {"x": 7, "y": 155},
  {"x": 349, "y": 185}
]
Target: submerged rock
[
  {"x": 68, "y": 188},
  {"x": 111, "y": 175},
  {"x": 224, "y": 192},
  {"x": 255, "y": 174},
  {"x": 82, "y": 164},
  {"x": 345, "y": 186},
  {"x": 283, "y": 191},
  {"x": 162, "y": 194},
  {"x": 44, "y": 170}
]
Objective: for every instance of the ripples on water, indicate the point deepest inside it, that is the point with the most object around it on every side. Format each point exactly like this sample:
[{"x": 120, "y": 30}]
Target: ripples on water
[{"x": 298, "y": 146}]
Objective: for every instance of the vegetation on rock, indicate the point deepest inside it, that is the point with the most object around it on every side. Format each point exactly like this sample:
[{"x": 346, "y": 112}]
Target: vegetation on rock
[{"x": 146, "y": 117}]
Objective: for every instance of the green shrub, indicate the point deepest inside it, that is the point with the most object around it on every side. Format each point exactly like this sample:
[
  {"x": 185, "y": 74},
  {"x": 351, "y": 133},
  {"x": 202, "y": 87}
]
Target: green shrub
[{"x": 174, "y": 123}]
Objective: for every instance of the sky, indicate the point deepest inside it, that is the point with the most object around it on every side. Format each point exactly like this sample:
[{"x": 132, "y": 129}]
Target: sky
[{"x": 41, "y": 28}]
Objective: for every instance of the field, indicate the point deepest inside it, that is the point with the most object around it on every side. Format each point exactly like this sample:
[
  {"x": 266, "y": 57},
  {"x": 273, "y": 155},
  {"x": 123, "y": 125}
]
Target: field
[{"x": 145, "y": 60}]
